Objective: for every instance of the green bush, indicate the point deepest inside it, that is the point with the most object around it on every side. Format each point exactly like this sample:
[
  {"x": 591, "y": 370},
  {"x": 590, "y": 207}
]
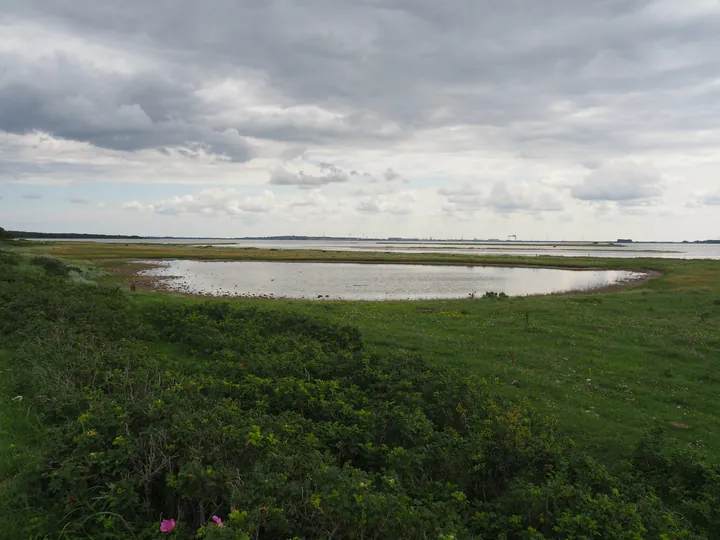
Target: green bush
[
  {"x": 52, "y": 265},
  {"x": 284, "y": 427},
  {"x": 491, "y": 295},
  {"x": 9, "y": 258}
]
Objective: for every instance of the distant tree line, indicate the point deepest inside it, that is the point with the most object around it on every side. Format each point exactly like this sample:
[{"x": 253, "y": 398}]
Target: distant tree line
[{"x": 27, "y": 234}]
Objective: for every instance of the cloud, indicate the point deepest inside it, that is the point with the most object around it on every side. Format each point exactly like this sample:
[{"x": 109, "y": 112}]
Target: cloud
[
  {"x": 391, "y": 175},
  {"x": 293, "y": 152},
  {"x": 79, "y": 200},
  {"x": 311, "y": 199},
  {"x": 369, "y": 206},
  {"x": 448, "y": 93},
  {"x": 32, "y": 196},
  {"x": 385, "y": 71},
  {"x": 116, "y": 111},
  {"x": 465, "y": 198},
  {"x": 283, "y": 177},
  {"x": 397, "y": 204},
  {"x": 210, "y": 202},
  {"x": 619, "y": 183},
  {"x": 711, "y": 198},
  {"x": 502, "y": 200},
  {"x": 133, "y": 205},
  {"x": 465, "y": 190},
  {"x": 548, "y": 201}
]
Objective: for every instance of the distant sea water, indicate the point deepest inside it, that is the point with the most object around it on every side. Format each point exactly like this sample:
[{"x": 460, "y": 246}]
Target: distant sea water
[{"x": 632, "y": 250}]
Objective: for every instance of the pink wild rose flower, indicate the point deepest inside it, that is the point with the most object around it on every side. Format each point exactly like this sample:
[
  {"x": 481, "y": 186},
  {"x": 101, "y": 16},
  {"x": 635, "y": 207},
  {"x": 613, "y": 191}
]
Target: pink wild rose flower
[
  {"x": 167, "y": 525},
  {"x": 218, "y": 521}
]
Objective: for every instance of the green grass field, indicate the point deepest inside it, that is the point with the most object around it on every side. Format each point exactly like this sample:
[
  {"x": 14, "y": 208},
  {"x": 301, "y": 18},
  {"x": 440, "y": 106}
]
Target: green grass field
[{"x": 607, "y": 366}]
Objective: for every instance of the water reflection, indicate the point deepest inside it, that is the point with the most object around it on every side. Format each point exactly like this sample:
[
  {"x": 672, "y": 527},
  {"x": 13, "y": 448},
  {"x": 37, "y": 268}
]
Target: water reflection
[{"x": 352, "y": 281}]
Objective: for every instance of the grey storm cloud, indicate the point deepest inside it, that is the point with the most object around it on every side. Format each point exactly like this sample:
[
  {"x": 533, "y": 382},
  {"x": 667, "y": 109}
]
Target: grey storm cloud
[
  {"x": 388, "y": 68},
  {"x": 114, "y": 112}
]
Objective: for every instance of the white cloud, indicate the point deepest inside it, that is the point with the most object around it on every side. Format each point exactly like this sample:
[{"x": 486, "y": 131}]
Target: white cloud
[
  {"x": 283, "y": 177},
  {"x": 210, "y": 202},
  {"x": 311, "y": 199},
  {"x": 548, "y": 201},
  {"x": 504, "y": 198},
  {"x": 706, "y": 198},
  {"x": 398, "y": 203},
  {"x": 133, "y": 205},
  {"x": 620, "y": 182}
]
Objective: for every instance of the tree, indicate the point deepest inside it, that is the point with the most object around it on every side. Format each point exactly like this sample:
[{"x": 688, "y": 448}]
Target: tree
[{"x": 5, "y": 235}]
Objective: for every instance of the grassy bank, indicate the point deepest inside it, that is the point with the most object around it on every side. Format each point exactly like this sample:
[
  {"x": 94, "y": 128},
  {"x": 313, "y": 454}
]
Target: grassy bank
[
  {"x": 437, "y": 419},
  {"x": 108, "y": 252}
]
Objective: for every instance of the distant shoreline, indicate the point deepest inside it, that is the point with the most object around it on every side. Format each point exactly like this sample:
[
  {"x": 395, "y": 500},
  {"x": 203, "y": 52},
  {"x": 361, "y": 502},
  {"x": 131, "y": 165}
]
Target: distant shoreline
[{"x": 40, "y": 236}]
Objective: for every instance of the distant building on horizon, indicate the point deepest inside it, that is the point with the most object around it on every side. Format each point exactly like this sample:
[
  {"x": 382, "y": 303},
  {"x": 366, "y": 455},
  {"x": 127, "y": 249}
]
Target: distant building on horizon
[{"x": 624, "y": 241}]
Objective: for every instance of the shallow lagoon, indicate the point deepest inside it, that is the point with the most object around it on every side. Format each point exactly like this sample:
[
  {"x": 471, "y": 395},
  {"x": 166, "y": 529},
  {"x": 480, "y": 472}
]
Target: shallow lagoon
[{"x": 353, "y": 281}]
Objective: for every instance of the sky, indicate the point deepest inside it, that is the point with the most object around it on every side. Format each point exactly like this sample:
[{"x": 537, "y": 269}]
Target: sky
[{"x": 561, "y": 119}]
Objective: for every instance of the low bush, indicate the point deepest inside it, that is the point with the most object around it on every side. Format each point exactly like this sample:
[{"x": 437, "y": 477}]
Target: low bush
[
  {"x": 246, "y": 423},
  {"x": 52, "y": 265},
  {"x": 9, "y": 258}
]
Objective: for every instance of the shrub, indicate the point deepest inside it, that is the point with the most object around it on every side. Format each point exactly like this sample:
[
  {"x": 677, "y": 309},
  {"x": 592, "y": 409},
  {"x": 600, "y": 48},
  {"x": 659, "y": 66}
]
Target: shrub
[
  {"x": 52, "y": 265},
  {"x": 9, "y": 258},
  {"x": 494, "y": 296},
  {"x": 680, "y": 478}
]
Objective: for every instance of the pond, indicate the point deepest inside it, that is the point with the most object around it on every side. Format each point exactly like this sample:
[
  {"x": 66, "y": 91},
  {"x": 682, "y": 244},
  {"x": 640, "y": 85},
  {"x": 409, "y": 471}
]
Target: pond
[{"x": 353, "y": 281}]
